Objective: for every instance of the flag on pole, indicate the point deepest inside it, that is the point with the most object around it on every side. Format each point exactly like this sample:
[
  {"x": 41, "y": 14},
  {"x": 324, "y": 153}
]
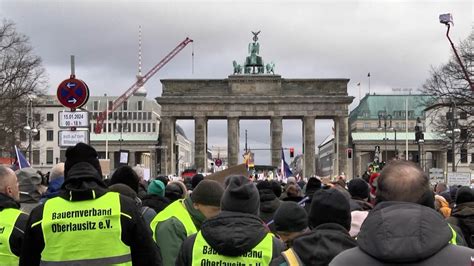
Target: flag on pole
[
  {"x": 285, "y": 169},
  {"x": 21, "y": 160}
]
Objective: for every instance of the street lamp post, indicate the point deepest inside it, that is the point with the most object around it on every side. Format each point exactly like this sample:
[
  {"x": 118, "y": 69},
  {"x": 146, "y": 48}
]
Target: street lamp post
[
  {"x": 419, "y": 138},
  {"x": 31, "y": 131},
  {"x": 387, "y": 122}
]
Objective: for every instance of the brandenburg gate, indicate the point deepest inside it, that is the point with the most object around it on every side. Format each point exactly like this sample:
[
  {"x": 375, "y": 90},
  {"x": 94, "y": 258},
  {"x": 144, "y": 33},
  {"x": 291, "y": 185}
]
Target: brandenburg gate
[{"x": 254, "y": 94}]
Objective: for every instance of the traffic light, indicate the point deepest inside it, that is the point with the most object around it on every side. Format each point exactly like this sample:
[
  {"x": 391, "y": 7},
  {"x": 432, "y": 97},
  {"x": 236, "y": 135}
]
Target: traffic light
[{"x": 292, "y": 152}]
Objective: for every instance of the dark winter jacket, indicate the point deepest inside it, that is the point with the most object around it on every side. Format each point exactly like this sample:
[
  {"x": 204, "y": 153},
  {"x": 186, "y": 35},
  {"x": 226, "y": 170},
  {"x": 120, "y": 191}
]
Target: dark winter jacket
[
  {"x": 404, "y": 233},
  {"x": 230, "y": 234},
  {"x": 156, "y": 202},
  {"x": 269, "y": 203},
  {"x": 360, "y": 205},
  {"x": 462, "y": 216},
  {"x": 53, "y": 189},
  {"x": 171, "y": 233},
  {"x": 82, "y": 183},
  {"x": 16, "y": 237},
  {"x": 320, "y": 246}
]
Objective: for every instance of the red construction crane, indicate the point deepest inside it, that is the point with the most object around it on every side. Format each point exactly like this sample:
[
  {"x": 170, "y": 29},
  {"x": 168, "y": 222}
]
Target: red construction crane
[{"x": 119, "y": 101}]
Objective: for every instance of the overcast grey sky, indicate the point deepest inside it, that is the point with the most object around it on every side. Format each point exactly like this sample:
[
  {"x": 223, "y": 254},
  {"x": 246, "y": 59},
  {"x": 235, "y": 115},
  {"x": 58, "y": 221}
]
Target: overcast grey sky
[{"x": 396, "y": 41}]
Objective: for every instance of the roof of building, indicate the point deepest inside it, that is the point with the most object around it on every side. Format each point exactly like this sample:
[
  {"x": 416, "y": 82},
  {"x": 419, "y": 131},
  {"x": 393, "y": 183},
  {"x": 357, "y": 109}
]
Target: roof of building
[
  {"x": 370, "y": 106},
  {"x": 125, "y": 136},
  {"x": 326, "y": 140},
  {"x": 360, "y": 136}
]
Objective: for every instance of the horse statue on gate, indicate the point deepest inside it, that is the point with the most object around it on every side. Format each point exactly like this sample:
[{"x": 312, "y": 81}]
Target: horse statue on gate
[
  {"x": 237, "y": 68},
  {"x": 270, "y": 68}
]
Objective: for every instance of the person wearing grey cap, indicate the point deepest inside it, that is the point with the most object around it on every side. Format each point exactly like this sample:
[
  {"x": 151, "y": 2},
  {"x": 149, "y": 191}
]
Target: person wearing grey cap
[
  {"x": 237, "y": 234},
  {"x": 184, "y": 217}
]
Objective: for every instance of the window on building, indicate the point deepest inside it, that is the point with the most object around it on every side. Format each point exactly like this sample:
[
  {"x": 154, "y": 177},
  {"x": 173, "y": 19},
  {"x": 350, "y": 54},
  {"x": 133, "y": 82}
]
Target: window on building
[
  {"x": 472, "y": 157},
  {"x": 463, "y": 155},
  {"x": 144, "y": 127},
  {"x": 366, "y": 125},
  {"x": 140, "y": 105},
  {"x": 149, "y": 115},
  {"x": 49, "y": 117},
  {"x": 130, "y": 116},
  {"x": 125, "y": 127},
  {"x": 49, "y": 157},
  {"x": 95, "y": 106},
  {"x": 411, "y": 114},
  {"x": 464, "y": 134},
  {"x": 449, "y": 156},
  {"x": 134, "y": 115},
  {"x": 49, "y": 135},
  {"x": 62, "y": 155},
  {"x": 37, "y": 136},
  {"x": 111, "y": 105},
  {"x": 134, "y": 127},
  {"x": 22, "y": 136},
  {"x": 115, "y": 127},
  {"x": 149, "y": 127},
  {"x": 36, "y": 157},
  {"x": 139, "y": 127},
  {"x": 154, "y": 127},
  {"x": 139, "y": 115},
  {"x": 463, "y": 115},
  {"x": 125, "y": 105},
  {"x": 110, "y": 116}
]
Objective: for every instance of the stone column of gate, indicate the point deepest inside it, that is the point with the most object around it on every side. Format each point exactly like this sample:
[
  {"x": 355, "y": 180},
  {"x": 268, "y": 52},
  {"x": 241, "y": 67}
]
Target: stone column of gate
[
  {"x": 167, "y": 132},
  {"x": 276, "y": 132},
  {"x": 309, "y": 145},
  {"x": 200, "y": 143},
  {"x": 233, "y": 138},
  {"x": 342, "y": 134}
]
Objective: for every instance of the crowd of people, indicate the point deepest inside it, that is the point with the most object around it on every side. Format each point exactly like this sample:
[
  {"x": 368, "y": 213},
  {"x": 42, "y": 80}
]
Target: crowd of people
[{"x": 394, "y": 217}]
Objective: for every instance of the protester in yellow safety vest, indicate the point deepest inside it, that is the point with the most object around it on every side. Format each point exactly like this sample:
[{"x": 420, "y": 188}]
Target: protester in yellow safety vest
[
  {"x": 183, "y": 218},
  {"x": 86, "y": 224},
  {"x": 12, "y": 220},
  {"x": 237, "y": 236}
]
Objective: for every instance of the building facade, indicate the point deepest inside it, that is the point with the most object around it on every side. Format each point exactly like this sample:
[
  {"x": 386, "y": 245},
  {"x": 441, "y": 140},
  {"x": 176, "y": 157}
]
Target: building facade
[{"x": 133, "y": 128}]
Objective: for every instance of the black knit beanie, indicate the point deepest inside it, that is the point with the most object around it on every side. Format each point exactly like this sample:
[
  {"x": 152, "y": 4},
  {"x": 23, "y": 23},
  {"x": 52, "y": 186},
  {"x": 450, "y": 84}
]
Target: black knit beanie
[
  {"x": 241, "y": 195},
  {"x": 290, "y": 217},
  {"x": 358, "y": 188},
  {"x": 81, "y": 153},
  {"x": 464, "y": 194},
  {"x": 329, "y": 206},
  {"x": 125, "y": 175},
  {"x": 197, "y": 178},
  {"x": 208, "y": 192}
]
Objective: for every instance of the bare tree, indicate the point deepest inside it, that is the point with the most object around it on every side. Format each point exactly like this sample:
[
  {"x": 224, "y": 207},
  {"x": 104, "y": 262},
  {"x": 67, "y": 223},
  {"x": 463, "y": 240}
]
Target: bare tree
[
  {"x": 21, "y": 76},
  {"x": 447, "y": 84}
]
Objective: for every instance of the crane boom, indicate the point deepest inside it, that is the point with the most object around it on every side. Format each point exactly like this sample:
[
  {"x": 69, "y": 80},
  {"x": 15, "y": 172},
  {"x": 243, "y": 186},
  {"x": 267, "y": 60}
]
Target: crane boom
[{"x": 140, "y": 82}]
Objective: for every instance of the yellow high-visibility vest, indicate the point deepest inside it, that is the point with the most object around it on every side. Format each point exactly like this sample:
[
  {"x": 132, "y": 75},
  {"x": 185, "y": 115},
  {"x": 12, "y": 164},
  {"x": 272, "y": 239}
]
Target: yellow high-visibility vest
[
  {"x": 8, "y": 219},
  {"x": 204, "y": 254},
  {"x": 84, "y": 232},
  {"x": 178, "y": 210}
]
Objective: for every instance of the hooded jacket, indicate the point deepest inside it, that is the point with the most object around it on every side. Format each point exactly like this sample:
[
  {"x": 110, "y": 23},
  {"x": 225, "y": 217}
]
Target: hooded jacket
[
  {"x": 16, "y": 237},
  {"x": 321, "y": 245},
  {"x": 463, "y": 216},
  {"x": 82, "y": 182},
  {"x": 230, "y": 234},
  {"x": 404, "y": 233}
]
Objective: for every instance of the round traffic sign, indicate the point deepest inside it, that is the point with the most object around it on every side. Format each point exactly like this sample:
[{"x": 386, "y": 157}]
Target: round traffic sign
[
  {"x": 218, "y": 162},
  {"x": 73, "y": 93}
]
